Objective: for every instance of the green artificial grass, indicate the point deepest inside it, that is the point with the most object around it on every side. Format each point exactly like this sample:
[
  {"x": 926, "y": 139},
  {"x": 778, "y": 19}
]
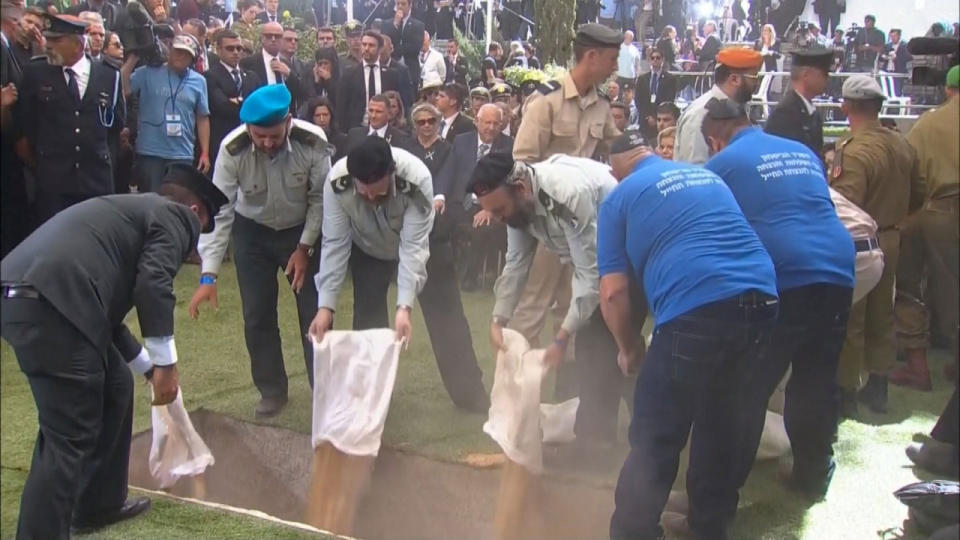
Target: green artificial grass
[{"x": 215, "y": 374}]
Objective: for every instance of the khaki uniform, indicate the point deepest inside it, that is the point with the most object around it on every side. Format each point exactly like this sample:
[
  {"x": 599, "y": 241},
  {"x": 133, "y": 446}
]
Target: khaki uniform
[
  {"x": 930, "y": 240},
  {"x": 877, "y": 170},
  {"x": 556, "y": 120}
]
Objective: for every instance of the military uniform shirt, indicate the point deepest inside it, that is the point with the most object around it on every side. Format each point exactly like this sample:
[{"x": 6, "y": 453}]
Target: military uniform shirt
[
  {"x": 936, "y": 138},
  {"x": 280, "y": 192},
  {"x": 568, "y": 193},
  {"x": 397, "y": 228},
  {"x": 690, "y": 146},
  {"x": 558, "y": 120}
]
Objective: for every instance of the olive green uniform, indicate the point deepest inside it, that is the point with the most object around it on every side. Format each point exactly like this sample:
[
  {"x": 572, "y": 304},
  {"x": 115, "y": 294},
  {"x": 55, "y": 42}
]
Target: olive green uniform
[
  {"x": 930, "y": 239},
  {"x": 877, "y": 170}
]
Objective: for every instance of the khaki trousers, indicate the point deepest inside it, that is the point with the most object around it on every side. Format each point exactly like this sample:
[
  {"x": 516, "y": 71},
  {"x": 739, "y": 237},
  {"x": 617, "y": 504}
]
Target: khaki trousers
[{"x": 548, "y": 289}]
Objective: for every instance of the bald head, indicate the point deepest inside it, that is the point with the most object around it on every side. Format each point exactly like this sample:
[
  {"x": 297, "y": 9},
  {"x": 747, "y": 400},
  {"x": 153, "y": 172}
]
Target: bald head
[
  {"x": 628, "y": 37},
  {"x": 271, "y": 34},
  {"x": 489, "y": 122}
]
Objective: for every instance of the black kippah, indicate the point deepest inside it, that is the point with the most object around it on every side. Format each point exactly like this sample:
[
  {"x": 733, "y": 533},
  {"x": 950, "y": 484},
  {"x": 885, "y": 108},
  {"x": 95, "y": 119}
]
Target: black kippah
[
  {"x": 490, "y": 173},
  {"x": 370, "y": 160},
  {"x": 724, "y": 109},
  {"x": 630, "y": 139}
]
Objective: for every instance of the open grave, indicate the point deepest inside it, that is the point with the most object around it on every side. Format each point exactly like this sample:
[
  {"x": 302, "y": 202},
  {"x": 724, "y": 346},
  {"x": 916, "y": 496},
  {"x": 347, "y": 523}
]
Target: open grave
[{"x": 268, "y": 469}]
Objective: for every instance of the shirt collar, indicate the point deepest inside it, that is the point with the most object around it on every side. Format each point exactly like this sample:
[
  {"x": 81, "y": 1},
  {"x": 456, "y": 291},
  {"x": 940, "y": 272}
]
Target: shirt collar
[
  {"x": 230, "y": 69},
  {"x": 82, "y": 65},
  {"x": 480, "y": 142},
  {"x": 806, "y": 104},
  {"x": 267, "y": 57},
  {"x": 382, "y": 132},
  {"x": 570, "y": 91},
  {"x": 366, "y": 66},
  {"x": 451, "y": 119}
]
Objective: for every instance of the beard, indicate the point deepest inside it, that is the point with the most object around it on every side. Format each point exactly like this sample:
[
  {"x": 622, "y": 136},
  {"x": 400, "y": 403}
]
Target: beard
[
  {"x": 744, "y": 93},
  {"x": 523, "y": 217},
  {"x": 54, "y": 58}
]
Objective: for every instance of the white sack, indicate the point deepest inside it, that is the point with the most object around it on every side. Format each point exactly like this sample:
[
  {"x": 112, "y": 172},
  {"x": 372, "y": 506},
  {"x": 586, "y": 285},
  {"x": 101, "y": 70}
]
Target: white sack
[
  {"x": 353, "y": 373},
  {"x": 557, "y": 421},
  {"x": 514, "y": 420},
  {"x": 177, "y": 450}
]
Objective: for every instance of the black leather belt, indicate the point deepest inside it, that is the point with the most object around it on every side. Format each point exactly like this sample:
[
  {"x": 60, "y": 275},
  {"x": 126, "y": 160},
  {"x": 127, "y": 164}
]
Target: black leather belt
[
  {"x": 866, "y": 245},
  {"x": 20, "y": 291},
  {"x": 756, "y": 299}
]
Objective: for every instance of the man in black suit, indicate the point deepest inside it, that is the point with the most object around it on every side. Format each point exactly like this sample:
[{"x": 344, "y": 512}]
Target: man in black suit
[
  {"x": 450, "y": 101},
  {"x": 653, "y": 88},
  {"x": 400, "y": 73},
  {"x": 66, "y": 124},
  {"x": 897, "y": 57},
  {"x": 228, "y": 85},
  {"x": 378, "y": 111},
  {"x": 456, "y": 63},
  {"x": 407, "y": 35},
  {"x": 358, "y": 86},
  {"x": 467, "y": 150},
  {"x": 270, "y": 13},
  {"x": 105, "y": 8},
  {"x": 271, "y": 68},
  {"x": 13, "y": 192},
  {"x": 795, "y": 116},
  {"x": 711, "y": 45},
  {"x": 65, "y": 292}
]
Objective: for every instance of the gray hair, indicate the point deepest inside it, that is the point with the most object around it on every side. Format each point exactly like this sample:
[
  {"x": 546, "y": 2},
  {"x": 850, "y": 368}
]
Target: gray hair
[
  {"x": 427, "y": 108},
  {"x": 91, "y": 17}
]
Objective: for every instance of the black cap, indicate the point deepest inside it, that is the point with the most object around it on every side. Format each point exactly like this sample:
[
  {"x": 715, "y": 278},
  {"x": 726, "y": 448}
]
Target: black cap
[
  {"x": 598, "y": 36},
  {"x": 817, "y": 57},
  {"x": 724, "y": 109},
  {"x": 62, "y": 25},
  {"x": 629, "y": 140},
  {"x": 370, "y": 160},
  {"x": 490, "y": 173},
  {"x": 189, "y": 177}
]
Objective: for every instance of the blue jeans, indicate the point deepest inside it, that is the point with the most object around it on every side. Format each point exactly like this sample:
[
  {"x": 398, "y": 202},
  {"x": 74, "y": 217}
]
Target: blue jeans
[
  {"x": 150, "y": 169},
  {"x": 697, "y": 372}
]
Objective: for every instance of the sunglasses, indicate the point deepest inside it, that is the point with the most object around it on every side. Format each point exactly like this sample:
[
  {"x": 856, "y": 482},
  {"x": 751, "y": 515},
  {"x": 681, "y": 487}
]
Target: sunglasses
[
  {"x": 271, "y": 37},
  {"x": 233, "y": 48},
  {"x": 425, "y": 121},
  {"x": 292, "y": 39}
]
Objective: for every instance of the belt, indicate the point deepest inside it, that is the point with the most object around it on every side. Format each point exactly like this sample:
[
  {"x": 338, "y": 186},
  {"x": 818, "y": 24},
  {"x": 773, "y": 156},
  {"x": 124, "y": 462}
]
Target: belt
[
  {"x": 869, "y": 244},
  {"x": 20, "y": 291},
  {"x": 756, "y": 299}
]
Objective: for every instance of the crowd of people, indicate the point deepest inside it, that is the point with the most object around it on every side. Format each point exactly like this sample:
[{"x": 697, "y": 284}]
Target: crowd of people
[{"x": 756, "y": 252}]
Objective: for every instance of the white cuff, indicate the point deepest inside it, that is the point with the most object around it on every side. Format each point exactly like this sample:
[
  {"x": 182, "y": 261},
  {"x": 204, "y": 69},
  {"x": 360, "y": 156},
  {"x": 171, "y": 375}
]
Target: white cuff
[
  {"x": 439, "y": 197},
  {"x": 162, "y": 350},
  {"x": 141, "y": 364}
]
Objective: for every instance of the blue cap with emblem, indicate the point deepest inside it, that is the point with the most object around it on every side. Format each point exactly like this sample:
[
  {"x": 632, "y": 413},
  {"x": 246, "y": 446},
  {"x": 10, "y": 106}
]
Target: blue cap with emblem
[{"x": 266, "y": 106}]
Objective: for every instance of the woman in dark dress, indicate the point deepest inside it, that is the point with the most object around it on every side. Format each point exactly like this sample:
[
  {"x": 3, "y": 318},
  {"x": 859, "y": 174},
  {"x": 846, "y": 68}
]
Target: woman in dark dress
[{"x": 319, "y": 111}]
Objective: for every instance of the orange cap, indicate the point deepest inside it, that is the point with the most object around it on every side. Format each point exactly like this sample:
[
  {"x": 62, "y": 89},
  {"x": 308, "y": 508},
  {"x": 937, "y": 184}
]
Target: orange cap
[{"x": 739, "y": 58}]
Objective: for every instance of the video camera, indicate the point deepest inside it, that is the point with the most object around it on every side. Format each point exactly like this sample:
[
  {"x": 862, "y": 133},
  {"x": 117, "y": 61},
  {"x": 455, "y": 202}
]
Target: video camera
[{"x": 138, "y": 34}]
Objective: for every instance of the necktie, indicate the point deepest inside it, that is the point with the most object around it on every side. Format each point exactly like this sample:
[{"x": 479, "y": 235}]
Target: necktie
[
  {"x": 72, "y": 84},
  {"x": 482, "y": 151},
  {"x": 654, "y": 83},
  {"x": 277, "y": 74},
  {"x": 236, "y": 78},
  {"x": 443, "y": 127},
  {"x": 372, "y": 83}
]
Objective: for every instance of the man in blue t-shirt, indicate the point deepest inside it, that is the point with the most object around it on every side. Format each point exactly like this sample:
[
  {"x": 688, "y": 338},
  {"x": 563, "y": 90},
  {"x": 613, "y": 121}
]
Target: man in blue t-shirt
[
  {"x": 174, "y": 116},
  {"x": 781, "y": 188},
  {"x": 712, "y": 288}
]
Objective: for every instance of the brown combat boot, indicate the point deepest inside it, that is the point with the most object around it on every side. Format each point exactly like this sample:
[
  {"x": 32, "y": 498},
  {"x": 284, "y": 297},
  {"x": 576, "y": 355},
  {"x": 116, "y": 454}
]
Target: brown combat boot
[{"x": 916, "y": 374}]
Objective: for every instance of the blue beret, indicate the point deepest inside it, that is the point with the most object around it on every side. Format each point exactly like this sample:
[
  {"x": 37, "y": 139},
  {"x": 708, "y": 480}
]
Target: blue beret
[{"x": 266, "y": 106}]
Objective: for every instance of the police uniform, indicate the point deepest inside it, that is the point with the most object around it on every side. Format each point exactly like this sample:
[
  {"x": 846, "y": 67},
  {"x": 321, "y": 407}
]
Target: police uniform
[
  {"x": 66, "y": 291},
  {"x": 795, "y": 117},
  {"x": 929, "y": 243},
  {"x": 558, "y": 120},
  {"x": 394, "y": 236},
  {"x": 351, "y": 28},
  {"x": 568, "y": 192},
  {"x": 275, "y": 207},
  {"x": 877, "y": 170},
  {"x": 67, "y": 122}
]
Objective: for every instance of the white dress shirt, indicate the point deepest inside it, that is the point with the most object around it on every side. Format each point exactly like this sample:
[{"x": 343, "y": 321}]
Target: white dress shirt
[
  {"x": 82, "y": 71},
  {"x": 811, "y": 110},
  {"x": 382, "y": 132},
  {"x": 376, "y": 78},
  {"x": 432, "y": 61},
  {"x": 271, "y": 75}
]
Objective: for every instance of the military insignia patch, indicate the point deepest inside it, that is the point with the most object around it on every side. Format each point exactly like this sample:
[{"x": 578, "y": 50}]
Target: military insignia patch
[
  {"x": 341, "y": 184},
  {"x": 560, "y": 211}
]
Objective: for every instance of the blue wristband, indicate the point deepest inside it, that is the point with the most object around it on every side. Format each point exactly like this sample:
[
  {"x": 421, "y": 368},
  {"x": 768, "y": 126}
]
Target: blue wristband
[{"x": 208, "y": 280}]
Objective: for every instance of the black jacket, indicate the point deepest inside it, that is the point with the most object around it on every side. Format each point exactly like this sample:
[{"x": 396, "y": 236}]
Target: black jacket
[
  {"x": 395, "y": 137},
  {"x": 407, "y": 44},
  {"x": 294, "y": 82},
  {"x": 456, "y": 73},
  {"x": 352, "y": 95},
  {"x": 456, "y": 172},
  {"x": 224, "y": 114},
  {"x": 108, "y": 11},
  {"x": 100, "y": 258},
  {"x": 264, "y": 18},
  {"x": 666, "y": 92},
  {"x": 68, "y": 139},
  {"x": 461, "y": 124},
  {"x": 791, "y": 121}
]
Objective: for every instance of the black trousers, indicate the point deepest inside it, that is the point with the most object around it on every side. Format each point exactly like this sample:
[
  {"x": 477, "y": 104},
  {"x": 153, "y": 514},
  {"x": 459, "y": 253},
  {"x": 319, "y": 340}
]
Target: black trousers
[
  {"x": 84, "y": 400},
  {"x": 442, "y": 311},
  {"x": 948, "y": 426},
  {"x": 259, "y": 252},
  {"x": 810, "y": 331}
]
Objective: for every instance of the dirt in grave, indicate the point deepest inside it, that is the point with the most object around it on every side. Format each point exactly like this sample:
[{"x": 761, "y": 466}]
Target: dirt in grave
[{"x": 268, "y": 469}]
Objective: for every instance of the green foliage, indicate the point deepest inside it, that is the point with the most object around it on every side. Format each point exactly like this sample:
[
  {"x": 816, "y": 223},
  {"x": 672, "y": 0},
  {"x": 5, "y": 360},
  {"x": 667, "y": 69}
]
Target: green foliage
[
  {"x": 470, "y": 50},
  {"x": 555, "y": 19}
]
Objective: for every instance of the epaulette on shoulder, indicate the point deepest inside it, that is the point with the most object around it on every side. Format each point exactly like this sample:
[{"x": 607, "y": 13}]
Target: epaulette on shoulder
[
  {"x": 305, "y": 136},
  {"x": 340, "y": 184},
  {"x": 603, "y": 94},
  {"x": 405, "y": 187},
  {"x": 549, "y": 86},
  {"x": 559, "y": 210},
  {"x": 239, "y": 143}
]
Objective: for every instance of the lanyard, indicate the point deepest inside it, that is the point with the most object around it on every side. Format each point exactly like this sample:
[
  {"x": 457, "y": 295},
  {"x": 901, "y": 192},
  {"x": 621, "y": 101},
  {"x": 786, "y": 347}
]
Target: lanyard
[{"x": 175, "y": 93}]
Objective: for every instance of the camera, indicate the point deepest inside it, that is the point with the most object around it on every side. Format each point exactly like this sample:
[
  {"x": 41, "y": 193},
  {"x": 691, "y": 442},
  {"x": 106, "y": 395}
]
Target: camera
[{"x": 138, "y": 34}]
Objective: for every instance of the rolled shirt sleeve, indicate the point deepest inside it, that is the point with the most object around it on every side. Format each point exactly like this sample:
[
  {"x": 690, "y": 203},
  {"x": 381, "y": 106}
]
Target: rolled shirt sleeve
[
  {"x": 521, "y": 247},
  {"x": 334, "y": 250},
  {"x": 212, "y": 246}
]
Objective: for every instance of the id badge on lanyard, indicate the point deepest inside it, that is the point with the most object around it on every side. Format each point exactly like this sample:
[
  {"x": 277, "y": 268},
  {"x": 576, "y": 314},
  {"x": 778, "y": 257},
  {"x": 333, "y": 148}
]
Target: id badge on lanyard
[{"x": 174, "y": 127}]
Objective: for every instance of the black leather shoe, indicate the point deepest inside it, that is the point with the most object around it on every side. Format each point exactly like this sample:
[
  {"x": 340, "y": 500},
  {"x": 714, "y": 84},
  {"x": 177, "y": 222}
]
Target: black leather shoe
[
  {"x": 874, "y": 394},
  {"x": 270, "y": 406},
  {"x": 130, "y": 509}
]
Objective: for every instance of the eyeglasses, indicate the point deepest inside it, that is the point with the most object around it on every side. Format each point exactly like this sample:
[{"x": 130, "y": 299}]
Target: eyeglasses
[
  {"x": 425, "y": 121},
  {"x": 233, "y": 48},
  {"x": 271, "y": 37},
  {"x": 749, "y": 76},
  {"x": 294, "y": 39}
]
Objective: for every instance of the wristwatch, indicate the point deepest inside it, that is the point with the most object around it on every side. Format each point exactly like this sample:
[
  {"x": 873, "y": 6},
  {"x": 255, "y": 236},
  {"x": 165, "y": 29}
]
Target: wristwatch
[
  {"x": 405, "y": 307},
  {"x": 500, "y": 321},
  {"x": 310, "y": 249}
]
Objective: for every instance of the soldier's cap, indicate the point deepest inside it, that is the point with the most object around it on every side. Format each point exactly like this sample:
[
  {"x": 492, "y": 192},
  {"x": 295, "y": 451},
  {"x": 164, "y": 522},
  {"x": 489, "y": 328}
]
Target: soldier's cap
[
  {"x": 816, "y": 57},
  {"x": 370, "y": 160},
  {"x": 188, "y": 176},
  {"x": 724, "y": 109},
  {"x": 10, "y": 10},
  {"x": 186, "y": 42},
  {"x": 630, "y": 139},
  {"x": 55, "y": 26},
  {"x": 739, "y": 58},
  {"x": 492, "y": 171},
  {"x": 266, "y": 106},
  {"x": 598, "y": 36},
  {"x": 500, "y": 90},
  {"x": 480, "y": 92},
  {"x": 861, "y": 87},
  {"x": 352, "y": 28},
  {"x": 431, "y": 80},
  {"x": 953, "y": 77}
]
